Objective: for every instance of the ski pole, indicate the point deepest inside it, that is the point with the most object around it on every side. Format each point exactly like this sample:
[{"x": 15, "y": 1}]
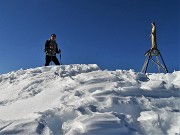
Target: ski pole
[{"x": 60, "y": 59}]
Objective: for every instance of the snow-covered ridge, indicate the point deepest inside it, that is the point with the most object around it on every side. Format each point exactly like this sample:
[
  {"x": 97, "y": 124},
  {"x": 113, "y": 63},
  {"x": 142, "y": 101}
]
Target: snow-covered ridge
[{"x": 82, "y": 99}]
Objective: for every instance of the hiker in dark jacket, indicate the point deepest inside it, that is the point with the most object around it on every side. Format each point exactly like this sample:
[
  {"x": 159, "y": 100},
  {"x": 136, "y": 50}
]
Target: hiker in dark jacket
[{"x": 51, "y": 48}]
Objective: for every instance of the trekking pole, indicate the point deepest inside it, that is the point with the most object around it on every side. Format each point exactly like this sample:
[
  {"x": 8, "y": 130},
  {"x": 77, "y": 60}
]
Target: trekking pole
[{"x": 60, "y": 58}]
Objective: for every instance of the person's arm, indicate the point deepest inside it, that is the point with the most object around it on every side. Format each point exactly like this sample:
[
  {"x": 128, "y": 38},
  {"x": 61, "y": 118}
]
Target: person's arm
[
  {"x": 46, "y": 46},
  {"x": 58, "y": 50}
]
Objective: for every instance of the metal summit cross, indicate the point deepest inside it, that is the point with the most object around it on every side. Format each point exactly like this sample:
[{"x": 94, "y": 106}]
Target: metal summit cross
[
  {"x": 153, "y": 52},
  {"x": 149, "y": 56}
]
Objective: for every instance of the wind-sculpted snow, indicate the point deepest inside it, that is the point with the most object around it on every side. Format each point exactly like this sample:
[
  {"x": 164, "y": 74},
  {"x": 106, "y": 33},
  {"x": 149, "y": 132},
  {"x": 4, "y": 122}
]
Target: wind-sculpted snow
[{"x": 82, "y": 99}]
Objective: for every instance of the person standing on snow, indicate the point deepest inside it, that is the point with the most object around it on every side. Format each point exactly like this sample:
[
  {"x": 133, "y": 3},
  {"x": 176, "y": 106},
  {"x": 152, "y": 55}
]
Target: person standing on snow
[
  {"x": 51, "y": 48},
  {"x": 153, "y": 37}
]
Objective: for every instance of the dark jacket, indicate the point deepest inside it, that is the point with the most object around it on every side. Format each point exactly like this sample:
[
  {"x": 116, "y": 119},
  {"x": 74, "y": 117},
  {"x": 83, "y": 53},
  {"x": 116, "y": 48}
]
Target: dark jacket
[{"x": 51, "y": 48}]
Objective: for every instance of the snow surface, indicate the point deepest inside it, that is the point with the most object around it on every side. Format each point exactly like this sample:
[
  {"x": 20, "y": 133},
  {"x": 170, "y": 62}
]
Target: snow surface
[{"x": 84, "y": 100}]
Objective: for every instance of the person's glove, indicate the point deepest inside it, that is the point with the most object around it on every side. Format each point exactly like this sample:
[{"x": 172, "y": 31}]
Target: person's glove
[{"x": 59, "y": 51}]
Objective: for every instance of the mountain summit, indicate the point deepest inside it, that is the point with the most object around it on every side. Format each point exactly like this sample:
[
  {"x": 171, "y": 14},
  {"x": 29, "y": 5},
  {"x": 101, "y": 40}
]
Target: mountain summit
[{"x": 83, "y": 99}]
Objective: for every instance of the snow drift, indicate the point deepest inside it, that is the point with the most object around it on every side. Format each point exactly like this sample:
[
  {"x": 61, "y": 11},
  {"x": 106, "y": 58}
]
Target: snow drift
[{"x": 82, "y": 99}]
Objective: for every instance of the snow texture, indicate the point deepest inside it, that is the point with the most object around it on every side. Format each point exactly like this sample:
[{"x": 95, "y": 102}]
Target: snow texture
[{"x": 84, "y": 100}]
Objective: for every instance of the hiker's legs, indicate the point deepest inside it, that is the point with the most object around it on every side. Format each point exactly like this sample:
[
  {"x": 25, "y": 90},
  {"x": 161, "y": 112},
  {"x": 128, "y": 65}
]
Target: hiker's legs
[{"x": 48, "y": 60}]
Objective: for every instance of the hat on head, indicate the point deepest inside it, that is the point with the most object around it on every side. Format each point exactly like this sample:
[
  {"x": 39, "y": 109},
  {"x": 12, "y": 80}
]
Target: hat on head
[{"x": 54, "y": 35}]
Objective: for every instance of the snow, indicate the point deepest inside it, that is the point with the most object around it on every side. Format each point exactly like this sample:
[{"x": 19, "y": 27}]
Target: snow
[{"x": 85, "y": 100}]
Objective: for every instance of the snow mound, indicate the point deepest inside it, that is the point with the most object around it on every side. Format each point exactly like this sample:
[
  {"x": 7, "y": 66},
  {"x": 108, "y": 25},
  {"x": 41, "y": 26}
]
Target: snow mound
[{"x": 82, "y": 99}]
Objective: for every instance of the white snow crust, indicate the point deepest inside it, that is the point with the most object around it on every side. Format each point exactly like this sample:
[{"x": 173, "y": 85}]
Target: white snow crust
[{"x": 82, "y": 99}]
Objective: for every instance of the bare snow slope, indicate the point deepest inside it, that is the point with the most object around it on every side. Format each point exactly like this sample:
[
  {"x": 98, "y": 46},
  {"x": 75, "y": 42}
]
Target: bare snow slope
[{"x": 82, "y": 99}]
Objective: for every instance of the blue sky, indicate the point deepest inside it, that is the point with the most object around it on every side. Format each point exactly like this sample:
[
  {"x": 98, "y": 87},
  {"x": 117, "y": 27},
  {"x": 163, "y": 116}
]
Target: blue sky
[{"x": 113, "y": 34}]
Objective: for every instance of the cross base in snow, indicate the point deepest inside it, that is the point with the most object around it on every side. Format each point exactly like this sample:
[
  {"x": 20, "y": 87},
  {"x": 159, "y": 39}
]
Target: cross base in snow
[{"x": 149, "y": 56}]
